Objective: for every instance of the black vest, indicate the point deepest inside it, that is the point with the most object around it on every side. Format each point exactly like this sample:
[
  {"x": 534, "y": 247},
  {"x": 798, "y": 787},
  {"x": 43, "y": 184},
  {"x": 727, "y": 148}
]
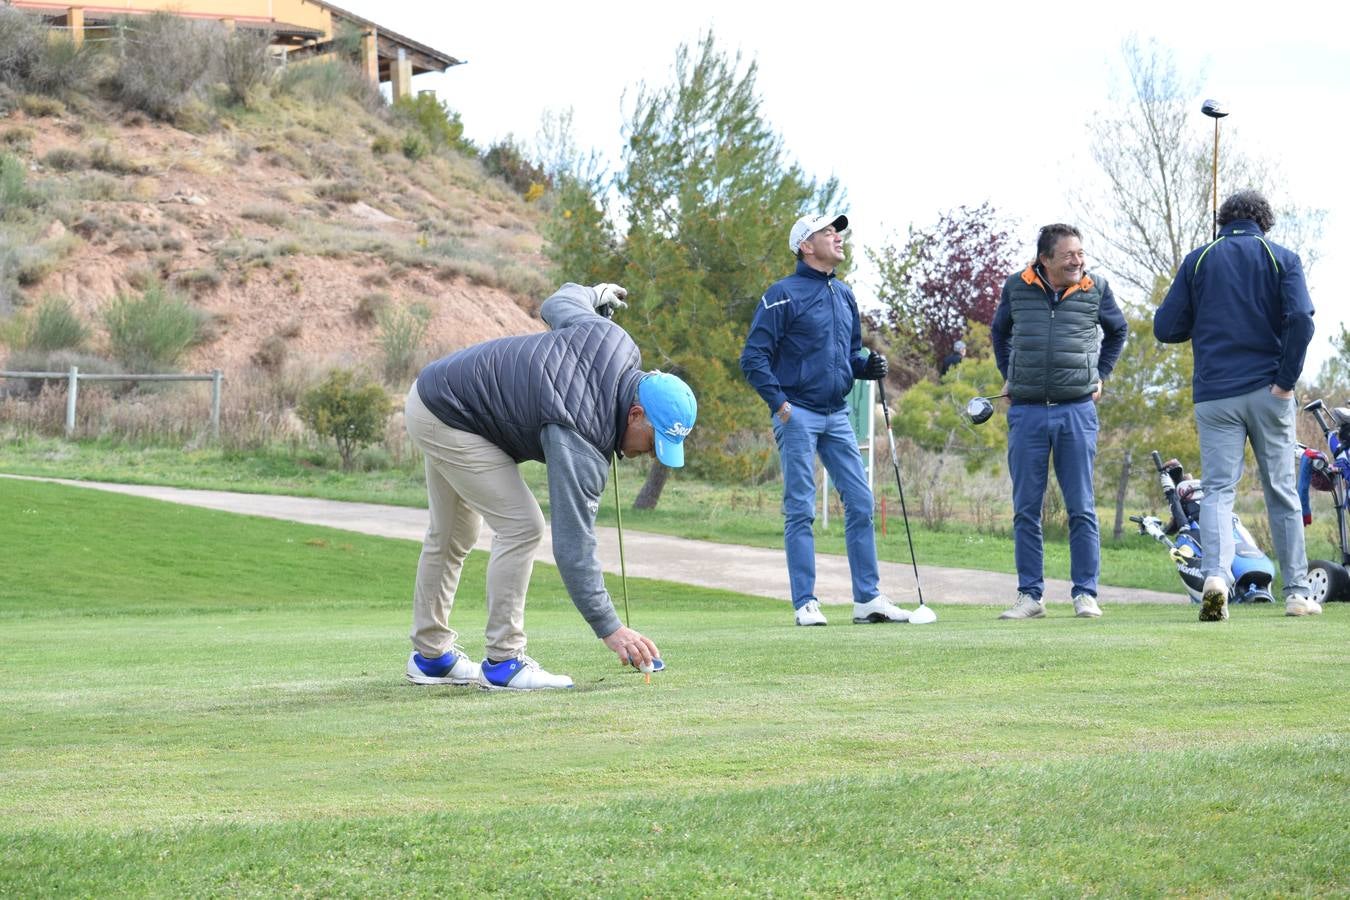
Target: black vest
[{"x": 1055, "y": 345}]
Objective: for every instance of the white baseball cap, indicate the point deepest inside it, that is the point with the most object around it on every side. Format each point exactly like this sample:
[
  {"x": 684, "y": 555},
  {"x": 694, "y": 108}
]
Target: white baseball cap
[{"x": 808, "y": 225}]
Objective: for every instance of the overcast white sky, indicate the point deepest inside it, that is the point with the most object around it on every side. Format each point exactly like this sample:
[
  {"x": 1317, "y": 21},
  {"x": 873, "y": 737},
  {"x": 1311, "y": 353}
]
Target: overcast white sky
[{"x": 920, "y": 110}]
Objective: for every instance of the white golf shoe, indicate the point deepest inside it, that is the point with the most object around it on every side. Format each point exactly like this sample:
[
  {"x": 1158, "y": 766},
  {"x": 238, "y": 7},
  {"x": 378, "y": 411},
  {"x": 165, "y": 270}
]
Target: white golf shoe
[
  {"x": 519, "y": 674},
  {"x": 1085, "y": 607},
  {"x": 809, "y": 614},
  {"x": 1214, "y": 600},
  {"x": 878, "y": 610},
  {"x": 1026, "y": 607},
  {"x": 1298, "y": 605},
  {"x": 452, "y": 667}
]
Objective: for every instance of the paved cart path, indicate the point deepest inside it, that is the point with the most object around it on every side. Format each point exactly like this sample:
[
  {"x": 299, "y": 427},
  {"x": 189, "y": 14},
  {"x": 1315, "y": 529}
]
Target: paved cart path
[{"x": 748, "y": 570}]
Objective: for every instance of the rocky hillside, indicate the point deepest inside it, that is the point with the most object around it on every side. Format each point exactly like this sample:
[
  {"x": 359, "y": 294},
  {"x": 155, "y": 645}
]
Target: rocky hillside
[{"x": 290, "y": 226}]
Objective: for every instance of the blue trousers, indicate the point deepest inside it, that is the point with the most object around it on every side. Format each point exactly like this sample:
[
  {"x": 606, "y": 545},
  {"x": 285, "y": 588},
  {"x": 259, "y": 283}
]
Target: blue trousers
[
  {"x": 804, "y": 435},
  {"x": 1068, "y": 432}
]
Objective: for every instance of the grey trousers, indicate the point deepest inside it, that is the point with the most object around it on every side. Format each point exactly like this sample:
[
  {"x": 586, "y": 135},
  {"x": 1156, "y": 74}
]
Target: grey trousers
[
  {"x": 1225, "y": 426},
  {"x": 470, "y": 479}
]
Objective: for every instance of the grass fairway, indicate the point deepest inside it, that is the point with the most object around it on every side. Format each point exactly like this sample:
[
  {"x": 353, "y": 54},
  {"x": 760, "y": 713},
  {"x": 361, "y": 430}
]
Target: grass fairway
[{"x": 193, "y": 703}]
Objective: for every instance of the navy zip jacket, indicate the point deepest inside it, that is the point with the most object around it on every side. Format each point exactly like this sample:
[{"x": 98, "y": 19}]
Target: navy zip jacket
[
  {"x": 1243, "y": 303},
  {"x": 805, "y": 342}
]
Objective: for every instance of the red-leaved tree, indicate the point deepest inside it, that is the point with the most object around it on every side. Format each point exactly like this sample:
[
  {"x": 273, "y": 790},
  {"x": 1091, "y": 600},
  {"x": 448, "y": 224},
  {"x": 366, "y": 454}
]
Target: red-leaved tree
[{"x": 943, "y": 276}]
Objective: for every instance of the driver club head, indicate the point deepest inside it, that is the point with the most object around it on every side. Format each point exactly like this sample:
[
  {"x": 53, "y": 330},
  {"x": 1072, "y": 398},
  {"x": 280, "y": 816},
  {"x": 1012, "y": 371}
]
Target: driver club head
[
  {"x": 1214, "y": 109},
  {"x": 924, "y": 615},
  {"x": 979, "y": 409}
]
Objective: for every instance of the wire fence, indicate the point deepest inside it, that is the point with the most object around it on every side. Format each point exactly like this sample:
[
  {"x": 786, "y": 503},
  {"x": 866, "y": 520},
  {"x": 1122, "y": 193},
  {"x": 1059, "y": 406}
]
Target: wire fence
[{"x": 73, "y": 377}]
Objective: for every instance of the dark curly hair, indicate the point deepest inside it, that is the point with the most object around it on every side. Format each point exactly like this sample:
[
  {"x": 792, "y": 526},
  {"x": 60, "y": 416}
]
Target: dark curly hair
[
  {"x": 1247, "y": 205},
  {"x": 1050, "y": 235}
]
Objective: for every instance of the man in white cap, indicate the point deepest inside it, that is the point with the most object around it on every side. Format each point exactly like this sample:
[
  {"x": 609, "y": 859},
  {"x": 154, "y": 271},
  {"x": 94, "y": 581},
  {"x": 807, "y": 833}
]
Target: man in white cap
[
  {"x": 572, "y": 398},
  {"x": 802, "y": 355}
]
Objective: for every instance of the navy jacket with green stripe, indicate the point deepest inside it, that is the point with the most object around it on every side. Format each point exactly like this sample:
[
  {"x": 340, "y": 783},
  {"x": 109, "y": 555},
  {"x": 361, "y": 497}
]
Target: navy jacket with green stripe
[{"x": 1243, "y": 303}]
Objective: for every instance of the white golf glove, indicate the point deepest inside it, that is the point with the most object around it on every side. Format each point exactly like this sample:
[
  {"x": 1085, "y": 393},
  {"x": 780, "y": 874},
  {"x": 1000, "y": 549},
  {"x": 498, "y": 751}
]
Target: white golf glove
[{"x": 609, "y": 297}]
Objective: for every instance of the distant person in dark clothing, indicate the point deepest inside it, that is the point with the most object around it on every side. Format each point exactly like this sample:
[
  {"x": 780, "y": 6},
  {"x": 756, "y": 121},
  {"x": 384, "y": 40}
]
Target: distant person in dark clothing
[
  {"x": 1243, "y": 303},
  {"x": 954, "y": 358}
]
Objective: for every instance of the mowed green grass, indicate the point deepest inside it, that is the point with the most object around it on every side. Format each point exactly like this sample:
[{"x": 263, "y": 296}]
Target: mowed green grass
[
  {"x": 195, "y": 703},
  {"x": 690, "y": 508}
]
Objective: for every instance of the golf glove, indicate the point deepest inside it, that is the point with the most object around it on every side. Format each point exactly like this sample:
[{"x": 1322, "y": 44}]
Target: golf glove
[
  {"x": 875, "y": 368},
  {"x": 609, "y": 297}
]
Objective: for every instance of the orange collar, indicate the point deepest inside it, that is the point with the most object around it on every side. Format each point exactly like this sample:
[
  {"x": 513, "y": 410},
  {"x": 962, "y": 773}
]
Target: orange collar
[{"x": 1031, "y": 276}]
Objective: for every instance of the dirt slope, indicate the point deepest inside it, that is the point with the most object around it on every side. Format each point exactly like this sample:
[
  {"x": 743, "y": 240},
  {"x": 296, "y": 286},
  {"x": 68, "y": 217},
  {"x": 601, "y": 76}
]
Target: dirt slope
[{"x": 277, "y": 228}]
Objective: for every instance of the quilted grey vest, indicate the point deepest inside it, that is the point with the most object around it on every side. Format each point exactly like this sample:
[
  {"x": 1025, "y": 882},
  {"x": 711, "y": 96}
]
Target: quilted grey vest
[{"x": 583, "y": 377}]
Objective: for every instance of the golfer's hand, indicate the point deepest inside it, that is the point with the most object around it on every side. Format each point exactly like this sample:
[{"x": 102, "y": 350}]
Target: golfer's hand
[
  {"x": 875, "y": 368},
  {"x": 785, "y": 412},
  {"x": 609, "y": 297},
  {"x": 1281, "y": 393},
  {"x": 1007, "y": 401},
  {"x": 632, "y": 648},
  {"x": 1097, "y": 394}
]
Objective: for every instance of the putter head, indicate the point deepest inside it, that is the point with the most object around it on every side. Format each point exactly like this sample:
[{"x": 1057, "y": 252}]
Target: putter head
[
  {"x": 1214, "y": 109},
  {"x": 979, "y": 409},
  {"x": 924, "y": 615}
]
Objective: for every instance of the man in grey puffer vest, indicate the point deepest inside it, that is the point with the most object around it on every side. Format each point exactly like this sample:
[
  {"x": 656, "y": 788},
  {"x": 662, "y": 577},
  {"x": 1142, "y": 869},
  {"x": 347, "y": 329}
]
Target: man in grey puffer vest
[
  {"x": 1048, "y": 347},
  {"x": 571, "y": 397}
]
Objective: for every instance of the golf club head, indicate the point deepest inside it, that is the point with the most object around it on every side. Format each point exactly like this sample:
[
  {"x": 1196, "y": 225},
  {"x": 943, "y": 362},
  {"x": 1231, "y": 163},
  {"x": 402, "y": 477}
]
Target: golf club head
[
  {"x": 1214, "y": 109},
  {"x": 924, "y": 615},
  {"x": 979, "y": 409}
]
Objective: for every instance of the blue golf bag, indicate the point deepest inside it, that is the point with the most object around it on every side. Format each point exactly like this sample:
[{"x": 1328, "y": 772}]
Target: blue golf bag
[{"x": 1252, "y": 571}]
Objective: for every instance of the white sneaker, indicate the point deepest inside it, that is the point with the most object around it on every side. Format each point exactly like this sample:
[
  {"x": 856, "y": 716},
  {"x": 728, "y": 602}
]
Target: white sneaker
[
  {"x": 452, "y": 667},
  {"x": 1298, "y": 605},
  {"x": 1214, "y": 600},
  {"x": 809, "y": 614},
  {"x": 1026, "y": 607},
  {"x": 1085, "y": 607},
  {"x": 878, "y": 610},
  {"x": 519, "y": 674}
]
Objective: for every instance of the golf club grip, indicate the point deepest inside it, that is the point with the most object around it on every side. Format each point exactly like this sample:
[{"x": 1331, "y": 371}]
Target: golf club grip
[{"x": 1157, "y": 460}]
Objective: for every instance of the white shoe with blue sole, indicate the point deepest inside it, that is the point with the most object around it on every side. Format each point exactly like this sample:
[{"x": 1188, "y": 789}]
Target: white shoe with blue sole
[
  {"x": 449, "y": 668},
  {"x": 519, "y": 674}
]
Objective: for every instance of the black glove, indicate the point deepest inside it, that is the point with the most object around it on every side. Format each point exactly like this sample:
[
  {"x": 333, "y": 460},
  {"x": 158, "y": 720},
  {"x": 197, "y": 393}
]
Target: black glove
[{"x": 875, "y": 368}]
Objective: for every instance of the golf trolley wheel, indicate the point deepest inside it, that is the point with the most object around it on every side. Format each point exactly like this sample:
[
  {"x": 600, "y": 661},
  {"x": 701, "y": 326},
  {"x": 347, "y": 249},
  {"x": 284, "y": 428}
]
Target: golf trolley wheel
[{"x": 1328, "y": 580}]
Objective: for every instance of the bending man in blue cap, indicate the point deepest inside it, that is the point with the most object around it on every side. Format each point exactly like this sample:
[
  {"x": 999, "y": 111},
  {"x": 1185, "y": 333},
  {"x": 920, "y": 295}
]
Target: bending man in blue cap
[{"x": 570, "y": 397}]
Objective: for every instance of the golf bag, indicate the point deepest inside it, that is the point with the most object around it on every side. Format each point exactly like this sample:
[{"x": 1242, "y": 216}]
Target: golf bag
[
  {"x": 1330, "y": 473},
  {"x": 1252, "y": 571}
]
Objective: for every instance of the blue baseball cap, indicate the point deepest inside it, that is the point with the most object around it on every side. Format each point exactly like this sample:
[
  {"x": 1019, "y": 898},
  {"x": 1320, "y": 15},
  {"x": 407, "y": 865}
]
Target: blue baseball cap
[{"x": 671, "y": 408}]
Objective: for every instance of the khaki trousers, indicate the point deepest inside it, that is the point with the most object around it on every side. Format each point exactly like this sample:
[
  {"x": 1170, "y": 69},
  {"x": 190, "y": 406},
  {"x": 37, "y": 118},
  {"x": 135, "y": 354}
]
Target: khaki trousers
[{"x": 469, "y": 479}]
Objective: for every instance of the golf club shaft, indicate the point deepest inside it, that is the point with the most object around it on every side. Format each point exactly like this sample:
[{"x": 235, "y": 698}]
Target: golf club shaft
[
  {"x": 618, "y": 516},
  {"x": 895, "y": 464},
  {"x": 1216, "y": 180}
]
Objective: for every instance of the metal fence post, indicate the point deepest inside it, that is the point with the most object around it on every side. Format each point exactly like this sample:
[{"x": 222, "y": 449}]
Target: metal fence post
[
  {"x": 72, "y": 389},
  {"x": 216, "y": 377}
]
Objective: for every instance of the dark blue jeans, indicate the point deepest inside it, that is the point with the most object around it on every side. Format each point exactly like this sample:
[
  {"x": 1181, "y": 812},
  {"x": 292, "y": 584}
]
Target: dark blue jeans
[
  {"x": 1068, "y": 432},
  {"x": 806, "y": 434}
]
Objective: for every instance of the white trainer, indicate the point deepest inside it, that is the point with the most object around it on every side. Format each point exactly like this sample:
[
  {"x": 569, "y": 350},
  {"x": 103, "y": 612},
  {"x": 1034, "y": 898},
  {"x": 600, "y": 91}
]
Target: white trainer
[
  {"x": 1214, "y": 600},
  {"x": 452, "y": 667},
  {"x": 519, "y": 674},
  {"x": 1026, "y": 607},
  {"x": 1298, "y": 605},
  {"x": 809, "y": 614},
  {"x": 1085, "y": 607},
  {"x": 878, "y": 610}
]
